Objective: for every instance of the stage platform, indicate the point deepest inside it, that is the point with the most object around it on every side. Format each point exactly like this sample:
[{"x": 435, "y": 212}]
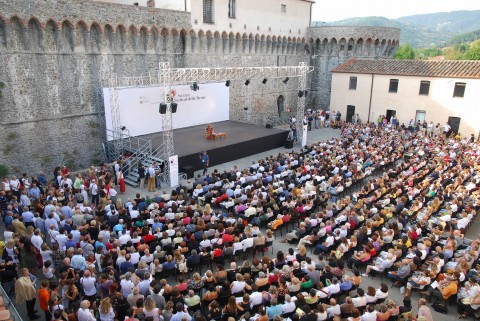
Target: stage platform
[{"x": 241, "y": 140}]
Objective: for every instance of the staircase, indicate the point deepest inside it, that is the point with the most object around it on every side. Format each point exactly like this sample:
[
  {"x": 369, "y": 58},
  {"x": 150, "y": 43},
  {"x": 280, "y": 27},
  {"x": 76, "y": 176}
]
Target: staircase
[{"x": 141, "y": 150}]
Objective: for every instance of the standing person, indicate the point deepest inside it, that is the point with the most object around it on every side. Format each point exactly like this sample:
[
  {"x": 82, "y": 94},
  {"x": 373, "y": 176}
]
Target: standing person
[
  {"x": 25, "y": 292},
  {"x": 43, "y": 299},
  {"x": 151, "y": 178},
  {"x": 205, "y": 161},
  {"x": 84, "y": 313},
  {"x": 27, "y": 255},
  {"x": 121, "y": 181},
  {"x": 94, "y": 191},
  {"x": 141, "y": 174},
  {"x": 158, "y": 171},
  {"x": 447, "y": 130}
]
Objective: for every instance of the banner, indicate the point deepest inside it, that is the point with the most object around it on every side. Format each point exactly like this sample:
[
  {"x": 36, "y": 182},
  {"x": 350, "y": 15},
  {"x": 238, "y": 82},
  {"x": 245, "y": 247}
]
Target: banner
[
  {"x": 304, "y": 135},
  {"x": 173, "y": 170},
  {"x": 139, "y": 107}
]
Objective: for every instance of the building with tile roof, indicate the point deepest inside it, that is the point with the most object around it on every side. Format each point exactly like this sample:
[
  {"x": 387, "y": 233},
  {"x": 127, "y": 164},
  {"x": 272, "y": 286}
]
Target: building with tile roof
[{"x": 431, "y": 90}]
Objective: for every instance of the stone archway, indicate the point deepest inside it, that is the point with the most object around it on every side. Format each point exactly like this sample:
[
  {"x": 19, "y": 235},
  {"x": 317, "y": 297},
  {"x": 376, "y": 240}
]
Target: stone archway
[{"x": 281, "y": 104}]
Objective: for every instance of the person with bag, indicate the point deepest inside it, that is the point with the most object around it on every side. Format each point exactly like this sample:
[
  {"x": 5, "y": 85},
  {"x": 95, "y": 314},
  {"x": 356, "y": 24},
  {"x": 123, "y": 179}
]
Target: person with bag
[{"x": 25, "y": 292}]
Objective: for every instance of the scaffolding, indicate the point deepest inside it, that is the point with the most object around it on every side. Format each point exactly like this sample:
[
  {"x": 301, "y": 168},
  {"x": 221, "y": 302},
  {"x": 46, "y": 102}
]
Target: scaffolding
[{"x": 168, "y": 77}]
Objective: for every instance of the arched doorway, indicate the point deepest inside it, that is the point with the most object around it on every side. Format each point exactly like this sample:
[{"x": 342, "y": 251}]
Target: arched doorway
[{"x": 281, "y": 104}]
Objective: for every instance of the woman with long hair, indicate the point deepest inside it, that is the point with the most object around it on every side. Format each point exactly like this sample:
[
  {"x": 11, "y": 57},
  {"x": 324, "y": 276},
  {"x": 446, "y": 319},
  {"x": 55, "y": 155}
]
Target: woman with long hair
[
  {"x": 150, "y": 309},
  {"x": 106, "y": 310},
  {"x": 28, "y": 255}
]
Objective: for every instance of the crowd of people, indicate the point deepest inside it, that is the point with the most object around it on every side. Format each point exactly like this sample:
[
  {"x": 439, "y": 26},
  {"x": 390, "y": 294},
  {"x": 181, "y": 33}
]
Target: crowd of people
[{"x": 378, "y": 202}]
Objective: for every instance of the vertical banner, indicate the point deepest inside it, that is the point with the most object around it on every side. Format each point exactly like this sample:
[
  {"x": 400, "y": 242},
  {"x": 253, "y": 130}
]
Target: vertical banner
[
  {"x": 304, "y": 135},
  {"x": 173, "y": 166}
]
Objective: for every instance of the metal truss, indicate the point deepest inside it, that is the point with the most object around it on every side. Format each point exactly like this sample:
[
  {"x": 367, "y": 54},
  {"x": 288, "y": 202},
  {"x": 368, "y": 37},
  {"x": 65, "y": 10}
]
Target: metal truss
[
  {"x": 167, "y": 77},
  {"x": 115, "y": 112},
  {"x": 302, "y": 84}
]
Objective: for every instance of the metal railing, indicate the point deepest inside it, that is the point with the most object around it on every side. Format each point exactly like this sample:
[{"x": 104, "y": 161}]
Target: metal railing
[{"x": 9, "y": 303}]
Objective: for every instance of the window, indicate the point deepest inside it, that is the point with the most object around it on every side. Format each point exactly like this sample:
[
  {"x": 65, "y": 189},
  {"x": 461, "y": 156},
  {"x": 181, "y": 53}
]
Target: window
[
  {"x": 393, "y": 88},
  {"x": 424, "y": 87},
  {"x": 353, "y": 83},
  {"x": 459, "y": 90},
  {"x": 284, "y": 8},
  {"x": 231, "y": 9},
  {"x": 207, "y": 11}
]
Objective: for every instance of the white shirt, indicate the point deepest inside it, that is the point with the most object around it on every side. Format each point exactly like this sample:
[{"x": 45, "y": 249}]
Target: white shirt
[
  {"x": 135, "y": 258},
  {"x": 37, "y": 241},
  {"x": 127, "y": 287},
  {"x": 369, "y": 316},
  {"x": 85, "y": 315},
  {"x": 334, "y": 310},
  {"x": 238, "y": 286},
  {"x": 360, "y": 301},
  {"x": 288, "y": 307},
  {"x": 88, "y": 285},
  {"x": 256, "y": 298}
]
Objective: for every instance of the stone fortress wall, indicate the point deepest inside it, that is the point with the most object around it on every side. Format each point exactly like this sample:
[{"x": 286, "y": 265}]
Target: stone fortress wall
[
  {"x": 331, "y": 46},
  {"x": 56, "y": 55}
]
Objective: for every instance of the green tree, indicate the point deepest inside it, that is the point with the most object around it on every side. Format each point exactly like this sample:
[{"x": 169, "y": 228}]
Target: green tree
[
  {"x": 473, "y": 53},
  {"x": 405, "y": 52},
  {"x": 2, "y": 85}
]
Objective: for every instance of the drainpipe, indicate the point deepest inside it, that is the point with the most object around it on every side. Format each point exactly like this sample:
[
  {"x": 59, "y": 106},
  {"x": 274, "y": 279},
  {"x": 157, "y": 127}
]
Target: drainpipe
[{"x": 370, "y": 102}]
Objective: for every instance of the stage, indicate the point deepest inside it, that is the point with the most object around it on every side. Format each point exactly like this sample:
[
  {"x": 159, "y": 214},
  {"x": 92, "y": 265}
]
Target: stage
[{"x": 241, "y": 140}]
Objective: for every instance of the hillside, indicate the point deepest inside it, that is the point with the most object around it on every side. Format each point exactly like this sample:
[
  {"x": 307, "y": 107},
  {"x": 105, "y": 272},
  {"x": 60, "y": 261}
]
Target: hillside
[{"x": 434, "y": 29}]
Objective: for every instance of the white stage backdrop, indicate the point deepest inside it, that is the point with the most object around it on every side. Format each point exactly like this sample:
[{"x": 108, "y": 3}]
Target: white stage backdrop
[{"x": 139, "y": 107}]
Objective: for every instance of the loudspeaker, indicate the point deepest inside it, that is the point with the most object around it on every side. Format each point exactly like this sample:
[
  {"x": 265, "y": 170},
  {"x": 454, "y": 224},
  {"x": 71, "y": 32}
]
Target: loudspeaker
[
  {"x": 163, "y": 108},
  {"x": 288, "y": 143},
  {"x": 268, "y": 126},
  {"x": 174, "y": 107},
  {"x": 189, "y": 170}
]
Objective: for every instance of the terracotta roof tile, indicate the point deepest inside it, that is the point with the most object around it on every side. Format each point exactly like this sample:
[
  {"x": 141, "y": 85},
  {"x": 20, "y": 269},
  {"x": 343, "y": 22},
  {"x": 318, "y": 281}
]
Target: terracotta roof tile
[{"x": 425, "y": 68}]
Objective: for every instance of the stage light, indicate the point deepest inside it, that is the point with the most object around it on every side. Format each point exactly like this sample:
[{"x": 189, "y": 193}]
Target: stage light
[
  {"x": 123, "y": 127},
  {"x": 227, "y": 83},
  {"x": 264, "y": 81},
  {"x": 300, "y": 94},
  {"x": 174, "y": 107},
  {"x": 286, "y": 80},
  {"x": 247, "y": 82},
  {"x": 163, "y": 109}
]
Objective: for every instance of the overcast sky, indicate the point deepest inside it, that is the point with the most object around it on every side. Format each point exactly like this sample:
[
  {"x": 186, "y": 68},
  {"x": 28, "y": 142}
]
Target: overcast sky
[{"x": 328, "y": 10}]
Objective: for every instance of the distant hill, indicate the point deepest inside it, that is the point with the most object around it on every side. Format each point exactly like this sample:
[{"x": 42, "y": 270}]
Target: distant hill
[
  {"x": 464, "y": 38},
  {"x": 433, "y": 29}
]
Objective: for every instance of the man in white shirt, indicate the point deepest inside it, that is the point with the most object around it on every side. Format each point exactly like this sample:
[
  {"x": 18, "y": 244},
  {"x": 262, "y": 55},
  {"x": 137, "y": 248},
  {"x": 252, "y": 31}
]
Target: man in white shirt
[
  {"x": 288, "y": 306},
  {"x": 256, "y": 297},
  {"x": 89, "y": 288},
  {"x": 94, "y": 192},
  {"x": 333, "y": 309},
  {"x": 370, "y": 314},
  {"x": 62, "y": 238},
  {"x": 84, "y": 314},
  {"x": 361, "y": 299},
  {"x": 37, "y": 239}
]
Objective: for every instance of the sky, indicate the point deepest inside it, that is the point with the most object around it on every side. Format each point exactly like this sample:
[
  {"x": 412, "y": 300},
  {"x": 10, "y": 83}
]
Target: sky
[{"x": 328, "y": 10}]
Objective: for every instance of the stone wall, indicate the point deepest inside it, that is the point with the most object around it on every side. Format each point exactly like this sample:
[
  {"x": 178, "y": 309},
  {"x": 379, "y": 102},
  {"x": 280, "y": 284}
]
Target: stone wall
[
  {"x": 55, "y": 56},
  {"x": 331, "y": 46}
]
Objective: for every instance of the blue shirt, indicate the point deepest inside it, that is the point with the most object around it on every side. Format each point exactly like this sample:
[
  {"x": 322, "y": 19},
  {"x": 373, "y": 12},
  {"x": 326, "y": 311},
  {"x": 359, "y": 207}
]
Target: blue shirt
[
  {"x": 27, "y": 217},
  {"x": 70, "y": 244},
  {"x": 155, "y": 225},
  {"x": 78, "y": 262},
  {"x": 274, "y": 310},
  {"x": 125, "y": 266}
]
